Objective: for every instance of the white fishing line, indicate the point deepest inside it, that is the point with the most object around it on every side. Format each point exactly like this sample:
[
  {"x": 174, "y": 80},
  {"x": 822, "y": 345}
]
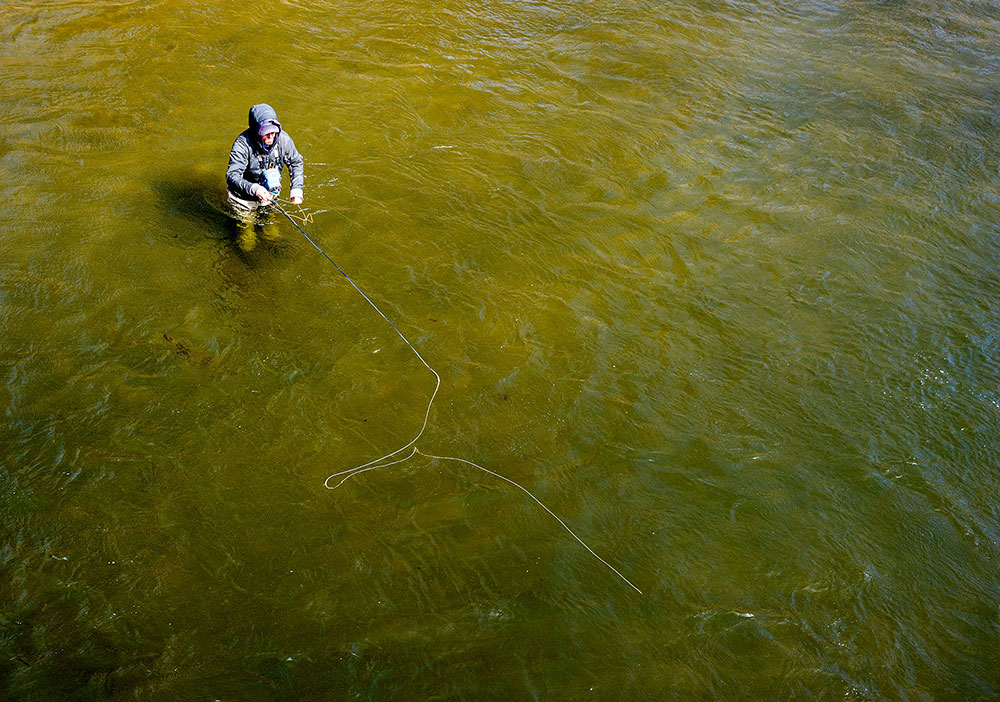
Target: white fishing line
[
  {"x": 383, "y": 462},
  {"x": 540, "y": 504}
]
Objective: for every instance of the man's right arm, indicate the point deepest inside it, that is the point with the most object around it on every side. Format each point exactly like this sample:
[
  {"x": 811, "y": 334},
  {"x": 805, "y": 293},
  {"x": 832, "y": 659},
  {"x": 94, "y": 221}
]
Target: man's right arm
[{"x": 239, "y": 158}]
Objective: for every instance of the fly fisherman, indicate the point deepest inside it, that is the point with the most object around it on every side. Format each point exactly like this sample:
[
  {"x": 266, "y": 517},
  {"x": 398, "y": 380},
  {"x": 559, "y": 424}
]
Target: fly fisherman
[{"x": 253, "y": 178}]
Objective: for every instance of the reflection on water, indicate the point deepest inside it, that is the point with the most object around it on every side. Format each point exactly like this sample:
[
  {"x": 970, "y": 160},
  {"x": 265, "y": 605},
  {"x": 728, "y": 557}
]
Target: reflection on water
[{"x": 715, "y": 282}]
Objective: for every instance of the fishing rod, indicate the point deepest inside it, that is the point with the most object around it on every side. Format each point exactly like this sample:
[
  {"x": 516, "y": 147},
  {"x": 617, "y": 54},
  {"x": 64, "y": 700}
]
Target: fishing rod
[
  {"x": 362, "y": 292},
  {"x": 378, "y": 462}
]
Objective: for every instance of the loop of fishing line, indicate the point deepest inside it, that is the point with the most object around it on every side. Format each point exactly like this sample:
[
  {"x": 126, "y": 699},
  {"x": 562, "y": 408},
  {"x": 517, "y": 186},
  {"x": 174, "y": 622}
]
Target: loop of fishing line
[
  {"x": 301, "y": 215},
  {"x": 384, "y": 462}
]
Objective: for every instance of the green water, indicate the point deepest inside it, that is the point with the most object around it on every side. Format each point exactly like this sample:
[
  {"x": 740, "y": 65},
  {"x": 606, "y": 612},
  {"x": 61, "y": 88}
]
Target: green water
[{"x": 717, "y": 282}]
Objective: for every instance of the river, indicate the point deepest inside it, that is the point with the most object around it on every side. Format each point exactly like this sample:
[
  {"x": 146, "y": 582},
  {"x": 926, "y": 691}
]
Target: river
[{"x": 715, "y": 282}]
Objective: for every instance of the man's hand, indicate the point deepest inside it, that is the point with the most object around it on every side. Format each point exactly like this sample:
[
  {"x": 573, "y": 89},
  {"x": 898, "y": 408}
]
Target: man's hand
[
  {"x": 295, "y": 195},
  {"x": 262, "y": 193}
]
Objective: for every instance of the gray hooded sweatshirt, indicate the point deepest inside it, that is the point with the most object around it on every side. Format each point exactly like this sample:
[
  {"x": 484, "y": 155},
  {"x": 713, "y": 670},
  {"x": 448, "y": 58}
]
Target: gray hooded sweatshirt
[{"x": 249, "y": 157}]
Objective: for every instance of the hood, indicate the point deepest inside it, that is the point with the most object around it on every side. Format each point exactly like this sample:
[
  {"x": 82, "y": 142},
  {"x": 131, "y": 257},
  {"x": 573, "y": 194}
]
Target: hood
[{"x": 261, "y": 113}]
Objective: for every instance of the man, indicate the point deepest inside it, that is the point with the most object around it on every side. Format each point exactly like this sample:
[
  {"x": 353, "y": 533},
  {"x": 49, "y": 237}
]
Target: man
[{"x": 253, "y": 179}]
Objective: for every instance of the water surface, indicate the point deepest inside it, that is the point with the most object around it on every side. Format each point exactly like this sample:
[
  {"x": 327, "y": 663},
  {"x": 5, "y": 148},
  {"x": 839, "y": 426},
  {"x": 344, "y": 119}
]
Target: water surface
[{"x": 715, "y": 281}]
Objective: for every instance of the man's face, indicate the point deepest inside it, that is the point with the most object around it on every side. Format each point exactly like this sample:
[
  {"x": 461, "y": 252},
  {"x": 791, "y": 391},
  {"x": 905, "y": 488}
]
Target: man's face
[{"x": 268, "y": 138}]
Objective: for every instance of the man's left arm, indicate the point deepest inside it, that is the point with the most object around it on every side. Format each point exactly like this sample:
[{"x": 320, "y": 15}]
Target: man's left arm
[{"x": 295, "y": 169}]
